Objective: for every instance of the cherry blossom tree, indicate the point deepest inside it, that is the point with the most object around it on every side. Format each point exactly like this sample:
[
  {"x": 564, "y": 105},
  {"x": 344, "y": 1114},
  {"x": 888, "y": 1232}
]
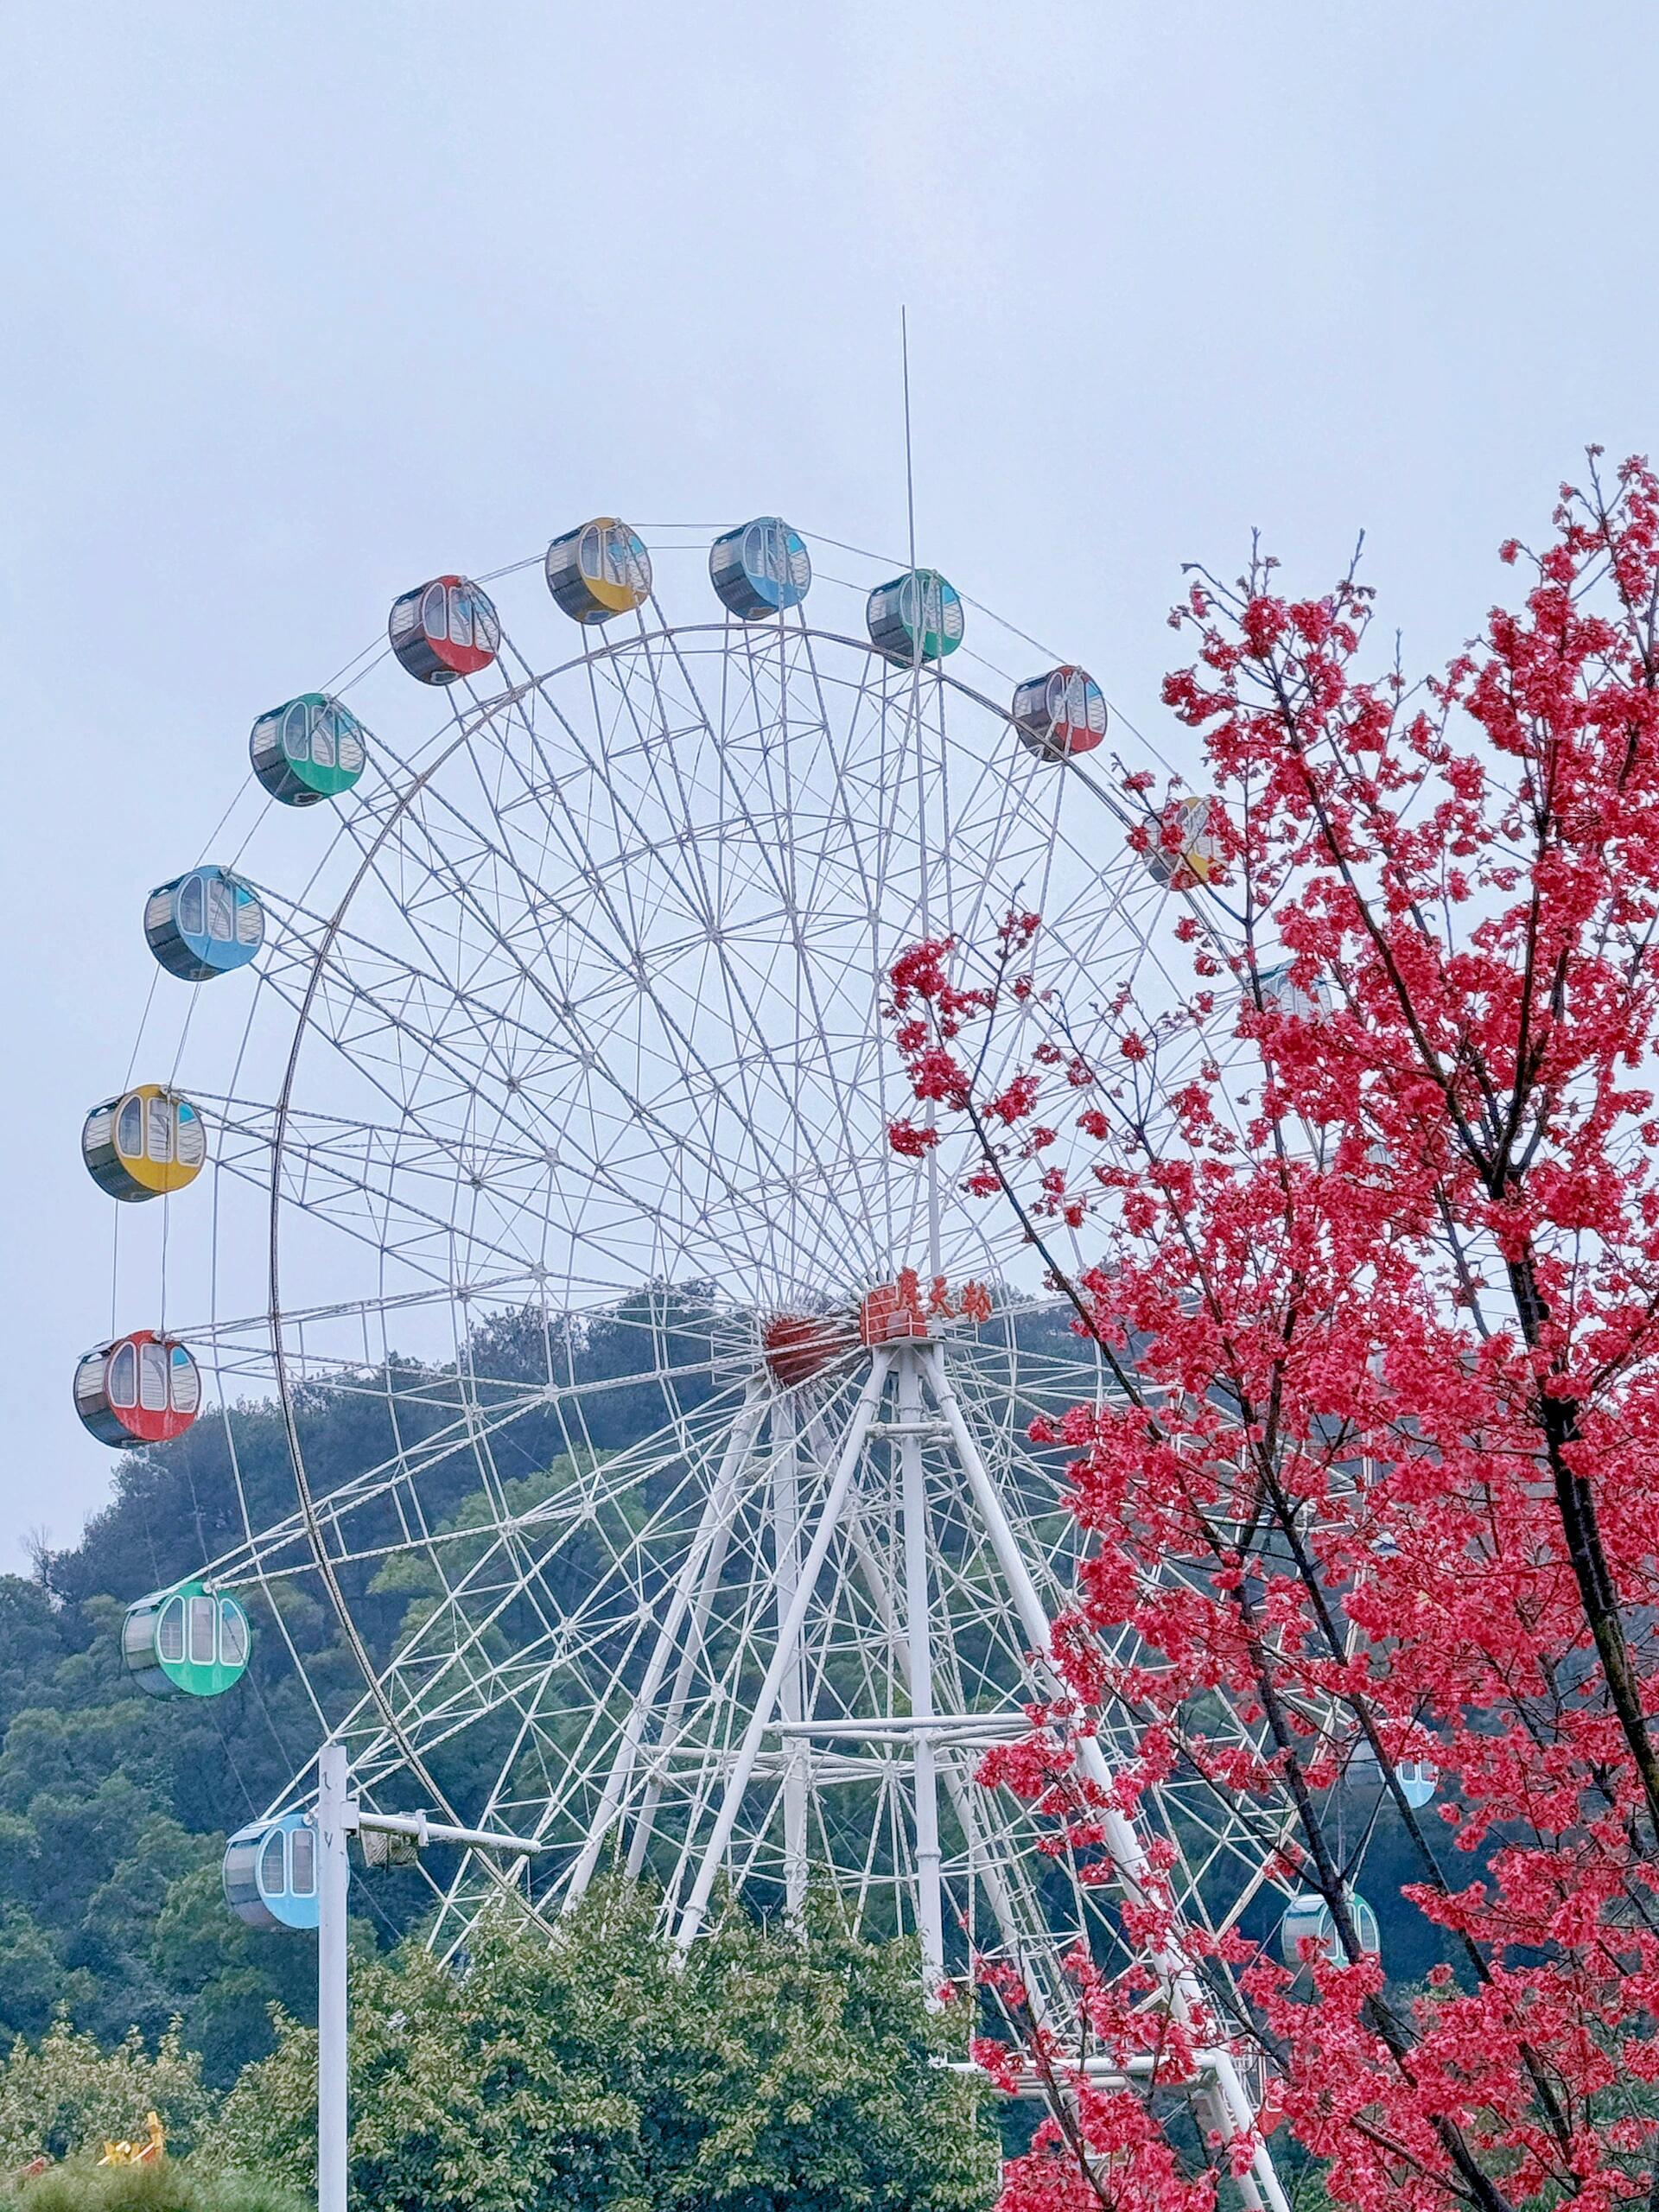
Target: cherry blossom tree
[{"x": 1365, "y": 1225}]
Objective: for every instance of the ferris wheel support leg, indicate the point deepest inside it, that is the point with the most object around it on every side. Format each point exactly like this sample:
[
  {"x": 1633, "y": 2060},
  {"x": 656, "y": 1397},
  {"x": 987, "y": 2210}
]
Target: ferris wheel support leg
[
  {"x": 791, "y": 1694},
  {"x": 919, "y": 1648},
  {"x": 696, "y": 1904},
  {"x": 681, "y": 1691},
  {"x": 716, "y": 1517},
  {"x": 1223, "y": 2095},
  {"x": 988, "y": 1872},
  {"x": 1260, "y": 2184}
]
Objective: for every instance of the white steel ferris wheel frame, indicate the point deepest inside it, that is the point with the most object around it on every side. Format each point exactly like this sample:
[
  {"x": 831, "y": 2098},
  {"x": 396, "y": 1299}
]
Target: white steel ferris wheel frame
[{"x": 842, "y": 1581}]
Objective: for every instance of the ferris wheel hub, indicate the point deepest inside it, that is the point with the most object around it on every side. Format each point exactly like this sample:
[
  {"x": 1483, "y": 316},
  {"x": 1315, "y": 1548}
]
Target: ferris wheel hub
[
  {"x": 891, "y": 1314},
  {"x": 795, "y": 1347}
]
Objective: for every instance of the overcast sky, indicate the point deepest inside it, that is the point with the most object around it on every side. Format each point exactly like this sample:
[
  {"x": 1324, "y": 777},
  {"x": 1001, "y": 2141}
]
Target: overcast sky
[{"x": 303, "y": 304}]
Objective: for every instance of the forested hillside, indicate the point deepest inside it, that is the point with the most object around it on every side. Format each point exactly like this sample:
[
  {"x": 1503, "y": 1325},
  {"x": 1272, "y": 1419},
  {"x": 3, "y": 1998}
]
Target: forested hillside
[{"x": 114, "y": 1807}]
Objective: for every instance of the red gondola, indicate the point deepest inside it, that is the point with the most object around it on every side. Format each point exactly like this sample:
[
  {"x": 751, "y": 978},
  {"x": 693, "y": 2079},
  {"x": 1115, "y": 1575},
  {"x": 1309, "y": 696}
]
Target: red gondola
[
  {"x": 444, "y": 630},
  {"x": 1060, "y": 713},
  {"x": 143, "y": 1389}
]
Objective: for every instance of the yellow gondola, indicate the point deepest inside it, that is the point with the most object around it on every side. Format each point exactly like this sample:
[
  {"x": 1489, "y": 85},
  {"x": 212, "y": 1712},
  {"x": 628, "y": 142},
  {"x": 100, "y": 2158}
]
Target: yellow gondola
[
  {"x": 599, "y": 569},
  {"x": 1185, "y": 847},
  {"x": 144, "y": 1144}
]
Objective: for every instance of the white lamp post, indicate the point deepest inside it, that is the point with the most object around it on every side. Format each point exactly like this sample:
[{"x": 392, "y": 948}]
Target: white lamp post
[{"x": 270, "y": 1893}]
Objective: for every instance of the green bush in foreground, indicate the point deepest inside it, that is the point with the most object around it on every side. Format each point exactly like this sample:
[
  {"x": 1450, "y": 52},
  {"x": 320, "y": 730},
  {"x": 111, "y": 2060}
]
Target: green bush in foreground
[
  {"x": 593, "y": 2071},
  {"x": 174, "y": 2185}
]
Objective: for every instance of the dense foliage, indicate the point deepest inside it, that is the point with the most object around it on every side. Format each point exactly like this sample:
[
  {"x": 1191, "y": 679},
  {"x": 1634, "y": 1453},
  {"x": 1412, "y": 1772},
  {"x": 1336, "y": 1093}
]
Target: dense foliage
[
  {"x": 65, "y": 2095},
  {"x": 595, "y": 2071},
  {"x": 1375, "y": 1226}
]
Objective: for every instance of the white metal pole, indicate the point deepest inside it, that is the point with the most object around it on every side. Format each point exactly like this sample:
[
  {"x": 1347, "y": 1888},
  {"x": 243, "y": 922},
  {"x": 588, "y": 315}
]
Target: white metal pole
[
  {"x": 743, "y": 1765},
  {"x": 332, "y": 1882},
  {"x": 989, "y": 1873},
  {"x": 679, "y": 1694},
  {"x": 930, "y": 1913},
  {"x": 792, "y": 1691}
]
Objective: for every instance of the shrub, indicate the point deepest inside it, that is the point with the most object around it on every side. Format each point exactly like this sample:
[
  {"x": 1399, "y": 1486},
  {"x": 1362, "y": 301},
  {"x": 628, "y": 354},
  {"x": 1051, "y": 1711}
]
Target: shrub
[{"x": 171, "y": 2185}]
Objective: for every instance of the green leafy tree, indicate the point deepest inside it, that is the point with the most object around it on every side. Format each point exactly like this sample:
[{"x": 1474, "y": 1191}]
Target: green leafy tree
[
  {"x": 596, "y": 2071},
  {"x": 65, "y": 2095}
]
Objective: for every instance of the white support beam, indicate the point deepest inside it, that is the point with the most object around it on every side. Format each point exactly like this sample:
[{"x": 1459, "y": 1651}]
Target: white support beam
[
  {"x": 792, "y": 1691},
  {"x": 918, "y": 1643},
  {"x": 714, "y": 1851},
  {"x": 1223, "y": 2103},
  {"x": 715, "y": 1519}
]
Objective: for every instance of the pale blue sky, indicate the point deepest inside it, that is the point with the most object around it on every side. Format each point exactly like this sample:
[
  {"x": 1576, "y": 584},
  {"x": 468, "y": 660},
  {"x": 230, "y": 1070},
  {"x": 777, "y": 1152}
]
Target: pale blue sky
[{"x": 303, "y": 304}]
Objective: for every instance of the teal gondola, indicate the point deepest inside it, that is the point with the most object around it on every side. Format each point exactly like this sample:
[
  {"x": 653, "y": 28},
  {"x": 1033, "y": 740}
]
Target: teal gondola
[
  {"x": 918, "y": 616},
  {"x": 1309, "y": 1919},
  {"x": 308, "y": 749},
  {"x": 185, "y": 1643}
]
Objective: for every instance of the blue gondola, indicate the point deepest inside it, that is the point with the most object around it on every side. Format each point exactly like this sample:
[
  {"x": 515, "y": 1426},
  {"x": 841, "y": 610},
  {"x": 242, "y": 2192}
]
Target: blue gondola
[
  {"x": 270, "y": 1872},
  {"x": 1282, "y": 994},
  {"x": 204, "y": 924},
  {"x": 761, "y": 567},
  {"x": 1418, "y": 1779}
]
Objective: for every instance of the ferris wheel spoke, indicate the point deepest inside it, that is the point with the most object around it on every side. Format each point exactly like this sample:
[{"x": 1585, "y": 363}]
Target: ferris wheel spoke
[
  {"x": 780, "y": 855},
  {"x": 630, "y": 1575},
  {"x": 700, "y": 909},
  {"x": 601, "y": 1171},
  {"x": 639, "y": 1112},
  {"x": 802, "y": 885},
  {"x": 630, "y": 1113},
  {"x": 612, "y": 1481}
]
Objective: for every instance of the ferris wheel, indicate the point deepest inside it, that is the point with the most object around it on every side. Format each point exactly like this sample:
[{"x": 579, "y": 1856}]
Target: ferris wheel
[{"x": 525, "y": 1084}]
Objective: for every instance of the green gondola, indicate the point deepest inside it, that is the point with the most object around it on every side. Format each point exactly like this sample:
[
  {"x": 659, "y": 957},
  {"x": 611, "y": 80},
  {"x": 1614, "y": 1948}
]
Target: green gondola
[
  {"x": 311, "y": 748},
  {"x": 187, "y": 1642}
]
